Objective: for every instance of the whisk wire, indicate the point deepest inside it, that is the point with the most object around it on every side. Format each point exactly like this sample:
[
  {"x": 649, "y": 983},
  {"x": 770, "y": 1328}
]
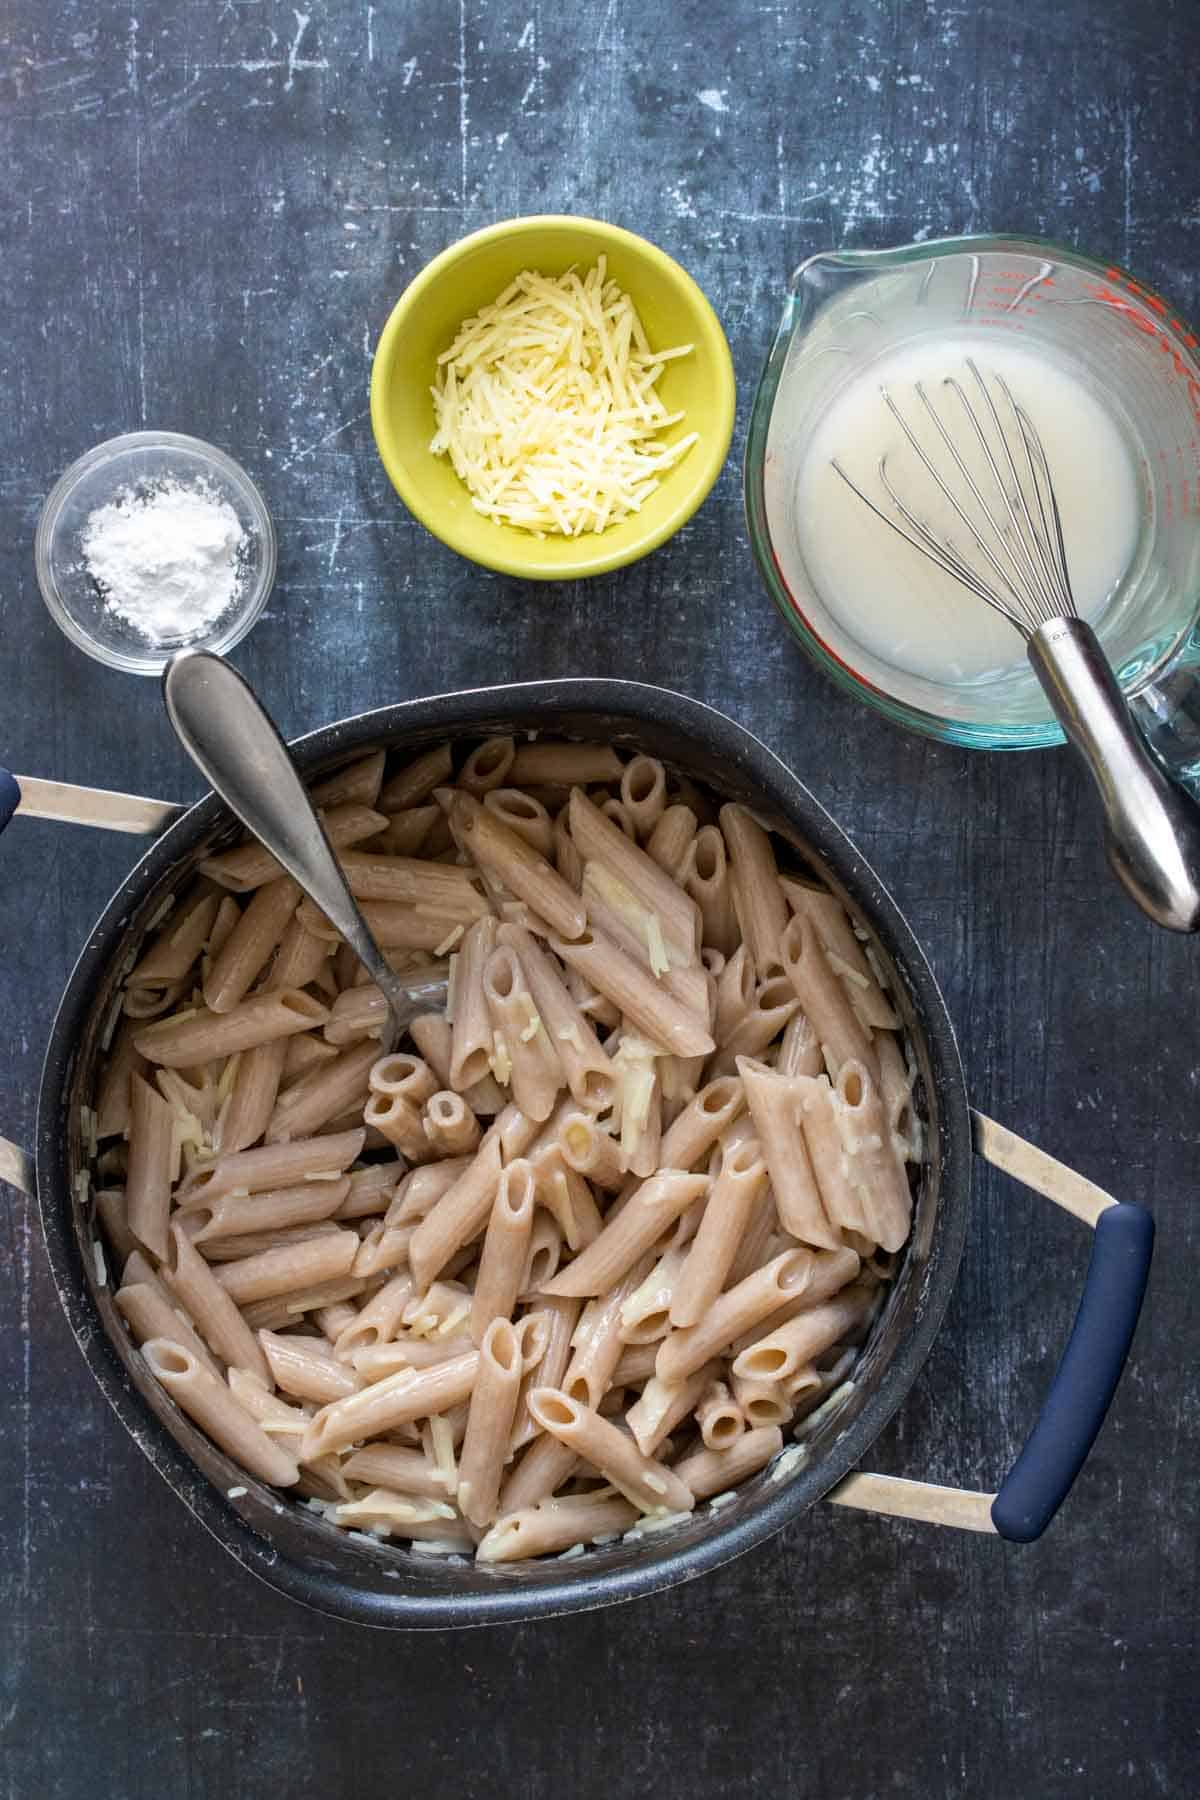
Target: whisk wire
[{"x": 1020, "y": 563}]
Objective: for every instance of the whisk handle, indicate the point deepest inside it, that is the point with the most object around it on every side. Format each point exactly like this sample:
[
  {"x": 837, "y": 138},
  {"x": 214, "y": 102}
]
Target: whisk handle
[{"x": 1152, "y": 827}]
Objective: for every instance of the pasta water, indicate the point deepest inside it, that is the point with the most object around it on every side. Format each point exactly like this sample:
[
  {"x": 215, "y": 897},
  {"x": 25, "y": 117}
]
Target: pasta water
[{"x": 883, "y": 594}]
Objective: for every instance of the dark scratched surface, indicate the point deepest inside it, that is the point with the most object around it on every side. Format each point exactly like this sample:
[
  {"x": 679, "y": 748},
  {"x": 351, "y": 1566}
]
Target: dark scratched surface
[{"x": 207, "y": 213}]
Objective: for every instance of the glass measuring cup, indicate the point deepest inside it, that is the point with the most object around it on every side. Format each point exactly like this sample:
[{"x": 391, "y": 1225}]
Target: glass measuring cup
[{"x": 1123, "y": 343}]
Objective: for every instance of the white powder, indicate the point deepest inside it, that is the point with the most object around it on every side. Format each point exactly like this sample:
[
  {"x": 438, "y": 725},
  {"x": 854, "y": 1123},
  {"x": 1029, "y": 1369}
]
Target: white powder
[{"x": 167, "y": 558}]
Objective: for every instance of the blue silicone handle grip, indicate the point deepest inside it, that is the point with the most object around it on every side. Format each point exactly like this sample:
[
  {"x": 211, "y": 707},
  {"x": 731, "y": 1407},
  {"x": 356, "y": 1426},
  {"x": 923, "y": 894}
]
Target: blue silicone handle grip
[
  {"x": 10, "y": 797},
  {"x": 1086, "y": 1379}
]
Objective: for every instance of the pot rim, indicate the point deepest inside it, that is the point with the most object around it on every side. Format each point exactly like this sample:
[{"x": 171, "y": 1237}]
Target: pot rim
[{"x": 458, "y": 712}]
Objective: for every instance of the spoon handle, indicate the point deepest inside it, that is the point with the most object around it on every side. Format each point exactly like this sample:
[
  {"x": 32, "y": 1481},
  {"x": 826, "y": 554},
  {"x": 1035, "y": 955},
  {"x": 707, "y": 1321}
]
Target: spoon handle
[
  {"x": 1152, "y": 826},
  {"x": 234, "y": 743}
]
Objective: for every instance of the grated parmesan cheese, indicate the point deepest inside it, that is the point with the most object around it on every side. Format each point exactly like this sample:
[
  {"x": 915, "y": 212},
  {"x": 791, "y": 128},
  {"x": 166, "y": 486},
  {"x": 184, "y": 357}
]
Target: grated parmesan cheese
[
  {"x": 533, "y": 1027},
  {"x": 500, "y": 1062},
  {"x": 656, "y": 948},
  {"x": 546, "y": 405}
]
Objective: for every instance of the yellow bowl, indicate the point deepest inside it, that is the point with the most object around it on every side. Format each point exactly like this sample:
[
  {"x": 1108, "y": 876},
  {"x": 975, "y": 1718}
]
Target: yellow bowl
[{"x": 468, "y": 275}]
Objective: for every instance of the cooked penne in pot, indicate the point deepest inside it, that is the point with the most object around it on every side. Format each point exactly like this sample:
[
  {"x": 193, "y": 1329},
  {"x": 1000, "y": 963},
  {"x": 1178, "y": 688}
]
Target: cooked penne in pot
[{"x": 575, "y": 1255}]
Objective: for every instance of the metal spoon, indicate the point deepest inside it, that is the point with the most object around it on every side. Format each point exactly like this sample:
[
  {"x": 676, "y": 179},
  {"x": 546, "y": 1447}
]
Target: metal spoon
[{"x": 234, "y": 743}]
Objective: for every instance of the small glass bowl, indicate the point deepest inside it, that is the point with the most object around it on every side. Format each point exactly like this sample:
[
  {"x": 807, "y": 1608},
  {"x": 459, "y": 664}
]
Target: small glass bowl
[{"x": 130, "y": 462}]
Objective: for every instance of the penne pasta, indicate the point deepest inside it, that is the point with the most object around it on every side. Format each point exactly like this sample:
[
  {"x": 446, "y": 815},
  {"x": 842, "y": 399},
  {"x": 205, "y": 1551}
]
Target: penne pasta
[
  {"x": 564, "y": 765},
  {"x": 648, "y": 1213},
  {"x": 736, "y": 1311},
  {"x": 251, "y": 866},
  {"x": 758, "y": 901},
  {"x": 450, "y": 1126},
  {"x": 774, "y": 1103},
  {"x": 762, "y": 1402},
  {"x": 505, "y": 1247},
  {"x": 600, "y": 1237},
  {"x": 207, "y": 1400},
  {"x": 152, "y": 1152},
  {"x": 300, "y": 958},
  {"x": 540, "y": 1472},
  {"x": 502, "y": 1354},
  {"x": 202, "y": 1036},
  {"x": 411, "y": 1394},
  {"x": 417, "y": 780},
  {"x": 235, "y": 1215},
  {"x": 542, "y": 1257},
  {"x": 874, "y": 1170},
  {"x": 523, "y": 1056},
  {"x": 649, "y": 1485},
  {"x": 146, "y": 1308},
  {"x": 285, "y": 1271},
  {"x": 709, "y": 1472},
  {"x": 720, "y": 1418},
  {"x": 773, "y": 1005},
  {"x": 823, "y": 998},
  {"x": 307, "y": 1368},
  {"x": 554, "y": 1525},
  {"x": 396, "y": 1467},
  {"x": 524, "y": 815},
  {"x": 632, "y": 988},
  {"x": 407, "y": 832},
  {"x": 459, "y": 1215},
  {"x": 358, "y": 783},
  {"x": 598, "y": 840},
  {"x": 586, "y": 1067},
  {"x": 323, "y": 1093},
  {"x": 514, "y": 863},
  {"x": 705, "y": 877},
  {"x": 472, "y": 1040},
  {"x": 177, "y": 947},
  {"x": 246, "y": 1110},
  {"x": 799, "y": 1048},
  {"x": 487, "y": 766},
  {"x": 789, "y": 1348},
  {"x": 663, "y": 1404},
  {"x": 250, "y": 945},
  {"x": 379, "y": 1321},
  {"x": 272, "y": 1166},
  {"x": 206, "y": 1303},
  {"x": 669, "y": 841},
  {"x": 697, "y": 1128},
  {"x": 112, "y": 1095},
  {"x": 596, "y": 1343},
  {"x": 590, "y": 1150},
  {"x": 844, "y": 953},
  {"x": 644, "y": 794},
  {"x": 646, "y": 1315},
  {"x": 559, "y": 1317},
  {"x": 731, "y": 1204}
]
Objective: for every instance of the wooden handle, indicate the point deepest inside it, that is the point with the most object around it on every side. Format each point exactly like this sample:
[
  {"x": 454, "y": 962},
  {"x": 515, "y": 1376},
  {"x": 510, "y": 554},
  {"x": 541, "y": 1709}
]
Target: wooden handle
[
  {"x": 72, "y": 805},
  {"x": 16, "y": 1168},
  {"x": 1044, "y": 1174},
  {"x": 961, "y": 1507},
  {"x": 1087, "y": 1376}
]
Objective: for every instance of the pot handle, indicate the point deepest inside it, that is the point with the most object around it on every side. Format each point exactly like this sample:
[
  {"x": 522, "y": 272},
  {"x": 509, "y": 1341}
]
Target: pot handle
[
  {"x": 72, "y": 805},
  {"x": 16, "y": 1167},
  {"x": 1087, "y": 1375}
]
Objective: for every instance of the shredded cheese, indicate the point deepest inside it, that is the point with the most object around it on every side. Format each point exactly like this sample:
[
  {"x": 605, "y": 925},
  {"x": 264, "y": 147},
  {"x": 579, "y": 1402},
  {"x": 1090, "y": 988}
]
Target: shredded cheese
[{"x": 546, "y": 405}]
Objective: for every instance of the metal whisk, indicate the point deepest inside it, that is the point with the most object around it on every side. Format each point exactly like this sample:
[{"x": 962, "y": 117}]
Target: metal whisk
[{"x": 1017, "y": 564}]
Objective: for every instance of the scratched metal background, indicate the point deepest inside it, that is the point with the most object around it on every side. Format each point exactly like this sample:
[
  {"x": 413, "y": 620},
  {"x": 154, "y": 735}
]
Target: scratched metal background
[{"x": 207, "y": 212}]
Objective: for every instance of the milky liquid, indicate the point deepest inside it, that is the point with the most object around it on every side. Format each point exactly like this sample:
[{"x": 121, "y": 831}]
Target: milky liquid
[{"x": 883, "y": 593}]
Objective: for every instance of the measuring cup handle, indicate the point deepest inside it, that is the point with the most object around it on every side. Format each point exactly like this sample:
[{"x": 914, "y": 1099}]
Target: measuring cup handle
[{"x": 1152, "y": 826}]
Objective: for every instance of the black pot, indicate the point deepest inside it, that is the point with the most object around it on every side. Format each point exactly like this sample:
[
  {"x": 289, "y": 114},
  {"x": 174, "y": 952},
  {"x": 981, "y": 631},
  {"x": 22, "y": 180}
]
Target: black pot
[{"x": 291, "y": 1547}]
